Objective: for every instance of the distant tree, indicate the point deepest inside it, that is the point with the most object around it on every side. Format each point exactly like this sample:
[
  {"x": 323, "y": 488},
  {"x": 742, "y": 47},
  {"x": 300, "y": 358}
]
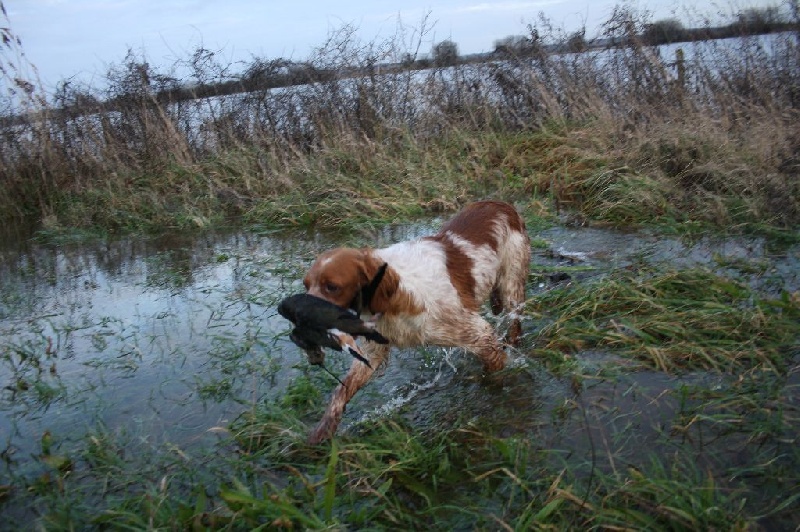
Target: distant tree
[
  {"x": 67, "y": 95},
  {"x": 445, "y": 53},
  {"x": 515, "y": 45},
  {"x": 624, "y": 25},
  {"x": 407, "y": 60},
  {"x": 576, "y": 42},
  {"x": 262, "y": 70},
  {"x": 757, "y": 20},
  {"x": 664, "y": 31},
  {"x": 423, "y": 62}
]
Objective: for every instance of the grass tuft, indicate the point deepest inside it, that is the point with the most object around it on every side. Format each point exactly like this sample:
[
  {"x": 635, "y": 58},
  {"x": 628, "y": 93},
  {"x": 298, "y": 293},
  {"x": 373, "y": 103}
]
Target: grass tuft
[{"x": 678, "y": 320}]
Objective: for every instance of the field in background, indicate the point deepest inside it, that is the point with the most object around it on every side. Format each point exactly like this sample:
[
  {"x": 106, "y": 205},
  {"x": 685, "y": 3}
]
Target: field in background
[{"x": 695, "y": 134}]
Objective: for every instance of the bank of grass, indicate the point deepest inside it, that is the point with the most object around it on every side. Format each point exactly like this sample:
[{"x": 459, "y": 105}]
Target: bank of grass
[
  {"x": 623, "y": 136},
  {"x": 557, "y": 169},
  {"x": 366, "y": 182}
]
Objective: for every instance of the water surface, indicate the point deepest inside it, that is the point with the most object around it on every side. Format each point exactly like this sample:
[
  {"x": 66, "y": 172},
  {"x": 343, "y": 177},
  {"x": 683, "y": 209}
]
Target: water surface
[{"x": 167, "y": 340}]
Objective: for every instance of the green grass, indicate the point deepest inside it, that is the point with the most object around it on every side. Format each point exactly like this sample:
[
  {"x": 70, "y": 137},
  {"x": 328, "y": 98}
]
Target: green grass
[
  {"x": 678, "y": 320},
  {"x": 389, "y": 475},
  {"x": 724, "y": 457}
]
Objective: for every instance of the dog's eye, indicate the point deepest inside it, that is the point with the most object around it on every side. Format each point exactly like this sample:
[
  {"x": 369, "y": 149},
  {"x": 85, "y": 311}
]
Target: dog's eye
[{"x": 331, "y": 288}]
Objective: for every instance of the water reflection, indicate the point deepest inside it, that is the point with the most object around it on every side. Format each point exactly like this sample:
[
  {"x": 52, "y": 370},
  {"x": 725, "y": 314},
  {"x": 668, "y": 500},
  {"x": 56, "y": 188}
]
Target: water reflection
[{"x": 132, "y": 332}]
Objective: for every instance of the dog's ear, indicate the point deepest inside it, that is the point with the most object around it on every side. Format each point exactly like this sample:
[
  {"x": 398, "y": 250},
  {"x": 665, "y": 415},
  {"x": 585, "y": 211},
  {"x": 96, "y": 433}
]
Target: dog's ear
[{"x": 369, "y": 278}]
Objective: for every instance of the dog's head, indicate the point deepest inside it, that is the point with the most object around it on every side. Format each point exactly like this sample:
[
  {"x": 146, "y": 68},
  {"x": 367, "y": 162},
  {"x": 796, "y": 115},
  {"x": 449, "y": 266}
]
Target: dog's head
[{"x": 341, "y": 275}]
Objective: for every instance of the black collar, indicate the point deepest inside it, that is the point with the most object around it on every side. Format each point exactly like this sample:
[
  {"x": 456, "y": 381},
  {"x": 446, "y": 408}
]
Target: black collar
[{"x": 363, "y": 298}]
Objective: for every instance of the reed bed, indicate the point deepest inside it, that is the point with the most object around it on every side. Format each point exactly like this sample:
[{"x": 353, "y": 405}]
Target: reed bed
[{"x": 629, "y": 134}]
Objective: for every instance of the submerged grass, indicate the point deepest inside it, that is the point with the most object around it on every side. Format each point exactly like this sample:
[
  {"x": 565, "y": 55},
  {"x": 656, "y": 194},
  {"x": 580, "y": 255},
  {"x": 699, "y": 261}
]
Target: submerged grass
[
  {"x": 390, "y": 475},
  {"x": 718, "y": 456}
]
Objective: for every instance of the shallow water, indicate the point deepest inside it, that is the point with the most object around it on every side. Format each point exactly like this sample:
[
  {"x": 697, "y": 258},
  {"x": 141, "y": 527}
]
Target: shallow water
[{"x": 167, "y": 340}]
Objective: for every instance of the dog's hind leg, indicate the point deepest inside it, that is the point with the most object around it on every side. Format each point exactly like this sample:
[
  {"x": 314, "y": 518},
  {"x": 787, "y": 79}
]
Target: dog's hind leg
[
  {"x": 470, "y": 331},
  {"x": 509, "y": 291},
  {"x": 485, "y": 345},
  {"x": 356, "y": 378}
]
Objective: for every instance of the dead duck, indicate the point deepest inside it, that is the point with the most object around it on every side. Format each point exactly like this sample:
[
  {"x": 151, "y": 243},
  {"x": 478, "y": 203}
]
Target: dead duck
[{"x": 319, "y": 323}]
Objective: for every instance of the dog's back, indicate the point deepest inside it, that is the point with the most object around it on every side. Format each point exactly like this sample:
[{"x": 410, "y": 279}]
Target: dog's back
[{"x": 483, "y": 251}]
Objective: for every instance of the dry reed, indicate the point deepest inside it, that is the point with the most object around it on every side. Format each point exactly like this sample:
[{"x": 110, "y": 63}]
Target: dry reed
[{"x": 628, "y": 134}]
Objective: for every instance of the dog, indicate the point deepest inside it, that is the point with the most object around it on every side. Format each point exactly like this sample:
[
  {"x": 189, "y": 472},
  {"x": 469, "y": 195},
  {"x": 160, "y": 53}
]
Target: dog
[{"x": 430, "y": 292}]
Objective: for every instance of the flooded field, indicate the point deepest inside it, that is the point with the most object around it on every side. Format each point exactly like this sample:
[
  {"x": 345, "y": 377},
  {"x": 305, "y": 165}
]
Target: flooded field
[{"x": 155, "y": 347}]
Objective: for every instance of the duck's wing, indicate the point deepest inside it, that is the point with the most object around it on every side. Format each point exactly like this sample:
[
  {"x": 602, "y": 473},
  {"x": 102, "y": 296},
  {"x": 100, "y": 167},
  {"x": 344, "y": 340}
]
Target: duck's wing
[{"x": 348, "y": 345}]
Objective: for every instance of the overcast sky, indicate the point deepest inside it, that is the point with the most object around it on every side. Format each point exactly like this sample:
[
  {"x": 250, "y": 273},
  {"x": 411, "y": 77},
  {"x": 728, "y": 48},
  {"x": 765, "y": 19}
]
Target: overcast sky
[{"x": 79, "y": 38}]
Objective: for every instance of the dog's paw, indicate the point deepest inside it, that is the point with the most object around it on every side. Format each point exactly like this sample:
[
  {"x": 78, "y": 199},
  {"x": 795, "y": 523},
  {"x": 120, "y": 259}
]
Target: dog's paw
[{"x": 322, "y": 432}]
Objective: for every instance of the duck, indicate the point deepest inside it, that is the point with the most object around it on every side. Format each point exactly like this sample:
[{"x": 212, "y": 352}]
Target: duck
[{"x": 320, "y": 323}]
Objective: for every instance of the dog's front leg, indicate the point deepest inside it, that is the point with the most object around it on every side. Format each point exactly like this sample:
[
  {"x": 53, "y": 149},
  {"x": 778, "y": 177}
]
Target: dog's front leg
[{"x": 356, "y": 378}]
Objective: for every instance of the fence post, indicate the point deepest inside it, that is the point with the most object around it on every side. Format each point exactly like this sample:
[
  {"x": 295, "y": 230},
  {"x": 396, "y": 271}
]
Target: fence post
[{"x": 680, "y": 66}]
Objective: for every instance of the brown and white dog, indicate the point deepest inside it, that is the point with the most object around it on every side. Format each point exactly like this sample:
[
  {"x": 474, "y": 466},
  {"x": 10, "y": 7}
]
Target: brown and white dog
[{"x": 431, "y": 291}]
